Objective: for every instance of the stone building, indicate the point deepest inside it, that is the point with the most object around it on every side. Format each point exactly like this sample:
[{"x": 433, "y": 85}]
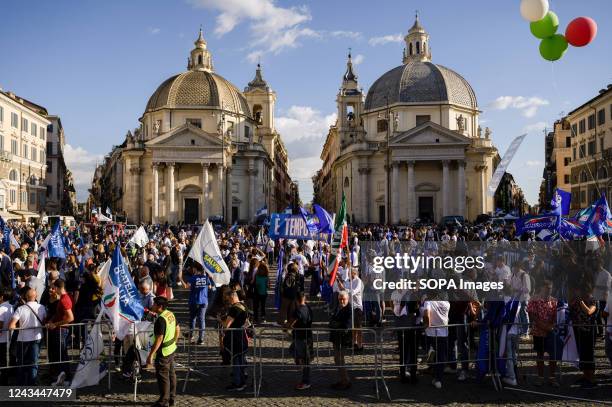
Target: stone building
[
  {"x": 23, "y": 134},
  {"x": 413, "y": 149},
  {"x": 204, "y": 149},
  {"x": 60, "y": 195}
]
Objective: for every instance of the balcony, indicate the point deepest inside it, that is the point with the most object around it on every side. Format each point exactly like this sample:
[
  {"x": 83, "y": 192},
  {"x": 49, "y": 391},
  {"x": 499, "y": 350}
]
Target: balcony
[
  {"x": 6, "y": 156},
  {"x": 481, "y": 143}
]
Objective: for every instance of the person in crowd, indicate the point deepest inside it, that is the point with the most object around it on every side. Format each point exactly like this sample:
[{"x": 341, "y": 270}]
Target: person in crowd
[
  {"x": 58, "y": 332},
  {"x": 6, "y": 312},
  {"x": 262, "y": 283},
  {"x": 198, "y": 284},
  {"x": 542, "y": 311},
  {"x": 166, "y": 331},
  {"x": 341, "y": 338},
  {"x": 302, "y": 345},
  {"x": 235, "y": 341},
  {"x": 582, "y": 310},
  {"x": 435, "y": 319},
  {"x": 406, "y": 310},
  {"x": 30, "y": 316},
  {"x": 521, "y": 288},
  {"x": 289, "y": 291}
]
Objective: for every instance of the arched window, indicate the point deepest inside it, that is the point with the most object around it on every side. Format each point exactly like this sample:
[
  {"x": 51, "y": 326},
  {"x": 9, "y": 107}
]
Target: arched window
[
  {"x": 410, "y": 48},
  {"x": 346, "y": 182},
  {"x": 13, "y": 175},
  {"x": 602, "y": 173},
  {"x": 418, "y": 47},
  {"x": 583, "y": 176},
  {"x": 199, "y": 59},
  {"x": 424, "y": 47}
]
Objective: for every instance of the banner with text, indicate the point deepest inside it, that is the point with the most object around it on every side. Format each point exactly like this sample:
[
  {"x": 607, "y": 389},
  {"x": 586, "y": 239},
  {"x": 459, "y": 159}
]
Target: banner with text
[{"x": 286, "y": 226}]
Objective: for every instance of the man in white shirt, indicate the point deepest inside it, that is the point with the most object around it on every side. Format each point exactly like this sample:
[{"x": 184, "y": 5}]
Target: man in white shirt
[
  {"x": 6, "y": 312},
  {"x": 354, "y": 286},
  {"x": 435, "y": 318},
  {"x": 30, "y": 317},
  {"x": 301, "y": 262},
  {"x": 502, "y": 271}
]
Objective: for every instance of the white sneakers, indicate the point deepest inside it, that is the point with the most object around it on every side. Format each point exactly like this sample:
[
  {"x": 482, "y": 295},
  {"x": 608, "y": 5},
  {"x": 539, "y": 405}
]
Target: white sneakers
[
  {"x": 509, "y": 381},
  {"x": 437, "y": 384},
  {"x": 60, "y": 379}
]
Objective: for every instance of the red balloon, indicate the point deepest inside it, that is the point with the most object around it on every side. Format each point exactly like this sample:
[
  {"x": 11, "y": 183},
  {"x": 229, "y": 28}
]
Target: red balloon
[{"x": 581, "y": 31}]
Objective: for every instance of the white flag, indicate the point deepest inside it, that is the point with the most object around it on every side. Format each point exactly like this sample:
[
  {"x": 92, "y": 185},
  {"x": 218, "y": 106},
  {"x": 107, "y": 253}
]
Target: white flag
[
  {"x": 206, "y": 252},
  {"x": 144, "y": 339},
  {"x": 14, "y": 241},
  {"x": 103, "y": 271},
  {"x": 503, "y": 164},
  {"x": 140, "y": 238},
  {"x": 102, "y": 218},
  {"x": 39, "y": 283},
  {"x": 90, "y": 370}
]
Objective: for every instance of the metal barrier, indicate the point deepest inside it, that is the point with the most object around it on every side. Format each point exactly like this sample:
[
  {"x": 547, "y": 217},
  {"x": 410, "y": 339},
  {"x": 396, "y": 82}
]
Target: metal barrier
[
  {"x": 433, "y": 347},
  {"x": 314, "y": 349},
  {"x": 222, "y": 348},
  {"x": 57, "y": 349}
]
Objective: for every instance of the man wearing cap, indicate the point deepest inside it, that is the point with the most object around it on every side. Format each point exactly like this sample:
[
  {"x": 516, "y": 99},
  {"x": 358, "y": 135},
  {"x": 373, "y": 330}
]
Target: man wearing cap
[{"x": 166, "y": 331}]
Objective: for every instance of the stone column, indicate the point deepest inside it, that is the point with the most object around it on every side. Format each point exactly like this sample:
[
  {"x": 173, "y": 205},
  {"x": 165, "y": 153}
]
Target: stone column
[
  {"x": 252, "y": 171},
  {"x": 395, "y": 192},
  {"x": 365, "y": 213},
  {"x": 445, "y": 187},
  {"x": 411, "y": 193},
  {"x": 205, "y": 205},
  {"x": 228, "y": 194},
  {"x": 170, "y": 189},
  {"x": 461, "y": 187},
  {"x": 155, "y": 194},
  {"x": 221, "y": 187},
  {"x": 136, "y": 195}
]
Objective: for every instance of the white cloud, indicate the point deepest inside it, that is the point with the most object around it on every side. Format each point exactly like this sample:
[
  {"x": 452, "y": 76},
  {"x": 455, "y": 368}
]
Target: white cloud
[
  {"x": 535, "y": 127},
  {"x": 82, "y": 164},
  {"x": 527, "y": 105},
  {"x": 303, "y": 130},
  {"x": 154, "y": 30},
  {"x": 533, "y": 163},
  {"x": 385, "y": 39},
  {"x": 345, "y": 34},
  {"x": 272, "y": 28},
  {"x": 358, "y": 59}
]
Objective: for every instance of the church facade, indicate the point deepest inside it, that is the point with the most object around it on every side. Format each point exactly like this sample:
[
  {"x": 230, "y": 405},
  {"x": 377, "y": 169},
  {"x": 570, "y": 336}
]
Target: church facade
[
  {"x": 204, "y": 149},
  {"x": 412, "y": 148}
]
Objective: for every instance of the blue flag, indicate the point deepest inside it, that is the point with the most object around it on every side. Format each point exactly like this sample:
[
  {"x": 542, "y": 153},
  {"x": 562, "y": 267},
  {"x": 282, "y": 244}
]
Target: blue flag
[
  {"x": 6, "y": 236},
  {"x": 279, "y": 277},
  {"x": 560, "y": 202},
  {"x": 570, "y": 229},
  {"x": 597, "y": 221},
  {"x": 324, "y": 220},
  {"x": 537, "y": 223},
  {"x": 56, "y": 243},
  {"x": 312, "y": 227}
]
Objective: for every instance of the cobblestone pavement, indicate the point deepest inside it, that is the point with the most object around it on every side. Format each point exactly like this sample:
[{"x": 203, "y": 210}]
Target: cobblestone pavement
[{"x": 207, "y": 380}]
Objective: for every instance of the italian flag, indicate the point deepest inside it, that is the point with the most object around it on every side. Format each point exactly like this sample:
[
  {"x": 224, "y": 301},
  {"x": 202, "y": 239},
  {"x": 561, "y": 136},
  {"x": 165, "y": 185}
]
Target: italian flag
[{"x": 339, "y": 241}]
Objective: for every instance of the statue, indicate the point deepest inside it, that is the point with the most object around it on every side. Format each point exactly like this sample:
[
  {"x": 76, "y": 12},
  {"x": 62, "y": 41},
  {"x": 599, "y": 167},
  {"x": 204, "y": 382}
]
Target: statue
[
  {"x": 156, "y": 126},
  {"x": 395, "y": 121},
  {"x": 479, "y": 131},
  {"x": 460, "y": 124},
  {"x": 487, "y": 133}
]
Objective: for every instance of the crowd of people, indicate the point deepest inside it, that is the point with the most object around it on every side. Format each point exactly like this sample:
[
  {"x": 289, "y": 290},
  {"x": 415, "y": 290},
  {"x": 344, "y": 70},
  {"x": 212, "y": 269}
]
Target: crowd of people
[{"x": 47, "y": 302}]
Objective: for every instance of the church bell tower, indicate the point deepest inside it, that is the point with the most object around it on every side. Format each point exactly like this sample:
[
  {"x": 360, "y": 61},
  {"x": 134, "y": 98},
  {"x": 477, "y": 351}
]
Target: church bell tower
[{"x": 350, "y": 107}]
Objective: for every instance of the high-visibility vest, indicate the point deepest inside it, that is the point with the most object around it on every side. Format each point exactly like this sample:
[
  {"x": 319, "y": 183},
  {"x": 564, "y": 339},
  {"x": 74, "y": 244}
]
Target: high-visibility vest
[{"x": 168, "y": 345}]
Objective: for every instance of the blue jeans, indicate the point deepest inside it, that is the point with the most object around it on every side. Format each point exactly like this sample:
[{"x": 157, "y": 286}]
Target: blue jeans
[
  {"x": 512, "y": 343},
  {"x": 459, "y": 334},
  {"x": 58, "y": 352},
  {"x": 27, "y": 354},
  {"x": 198, "y": 312}
]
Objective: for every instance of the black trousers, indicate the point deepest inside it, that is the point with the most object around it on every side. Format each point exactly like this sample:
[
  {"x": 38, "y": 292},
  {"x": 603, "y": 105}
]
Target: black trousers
[
  {"x": 407, "y": 340},
  {"x": 166, "y": 378}
]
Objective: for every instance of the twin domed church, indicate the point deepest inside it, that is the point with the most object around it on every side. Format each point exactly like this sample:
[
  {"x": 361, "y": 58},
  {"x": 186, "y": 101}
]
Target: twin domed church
[
  {"x": 412, "y": 148},
  {"x": 203, "y": 149}
]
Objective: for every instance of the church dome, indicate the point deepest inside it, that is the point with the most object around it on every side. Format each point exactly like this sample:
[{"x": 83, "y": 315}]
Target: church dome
[
  {"x": 420, "y": 82},
  {"x": 199, "y": 87}
]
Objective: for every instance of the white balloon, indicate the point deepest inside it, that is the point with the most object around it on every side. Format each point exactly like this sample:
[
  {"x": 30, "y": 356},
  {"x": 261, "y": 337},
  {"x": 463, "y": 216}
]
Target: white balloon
[{"x": 534, "y": 10}]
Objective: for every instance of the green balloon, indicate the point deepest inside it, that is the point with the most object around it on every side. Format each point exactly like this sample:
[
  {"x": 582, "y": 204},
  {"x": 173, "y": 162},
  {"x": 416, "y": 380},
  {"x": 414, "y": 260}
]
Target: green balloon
[
  {"x": 545, "y": 27},
  {"x": 553, "y": 48}
]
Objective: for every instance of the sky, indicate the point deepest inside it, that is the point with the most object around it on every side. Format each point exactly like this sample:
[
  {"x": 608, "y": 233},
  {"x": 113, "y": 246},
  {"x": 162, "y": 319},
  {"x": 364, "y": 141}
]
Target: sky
[{"x": 96, "y": 63}]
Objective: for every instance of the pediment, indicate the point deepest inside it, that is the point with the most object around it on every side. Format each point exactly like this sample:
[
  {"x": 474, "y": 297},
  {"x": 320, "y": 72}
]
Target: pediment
[
  {"x": 426, "y": 187},
  {"x": 186, "y": 135},
  {"x": 429, "y": 134}
]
